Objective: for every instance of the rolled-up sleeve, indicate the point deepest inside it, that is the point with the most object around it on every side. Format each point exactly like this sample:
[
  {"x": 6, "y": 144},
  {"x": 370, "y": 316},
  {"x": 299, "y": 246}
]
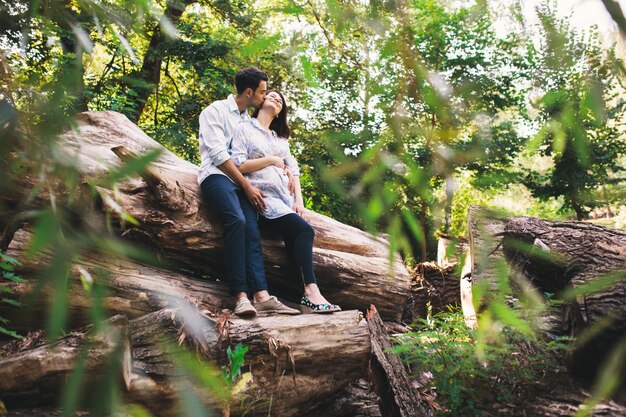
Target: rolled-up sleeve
[
  {"x": 239, "y": 145},
  {"x": 212, "y": 135}
]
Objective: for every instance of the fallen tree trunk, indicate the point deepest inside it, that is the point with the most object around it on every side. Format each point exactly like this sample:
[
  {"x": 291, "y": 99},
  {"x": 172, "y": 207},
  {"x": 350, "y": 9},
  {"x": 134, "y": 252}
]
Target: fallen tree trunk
[
  {"x": 36, "y": 376},
  {"x": 556, "y": 257},
  {"x": 294, "y": 361},
  {"x": 556, "y": 395},
  {"x": 559, "y": 256},
  {"x": 388, "y": 375},
  {"x": 132, "y": 289},
  {"x": 352, "y": 267}
]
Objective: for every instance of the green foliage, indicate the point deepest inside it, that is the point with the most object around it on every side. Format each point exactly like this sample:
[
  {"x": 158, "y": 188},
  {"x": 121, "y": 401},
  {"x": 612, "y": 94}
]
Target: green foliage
[
  {"x": 235, "y": 362},
  {"x": 465, "y": 382},
  {"x": 7, "y": 277},
  {"x": 581, "y": 114},
  {"x": 403, "y": 113}
]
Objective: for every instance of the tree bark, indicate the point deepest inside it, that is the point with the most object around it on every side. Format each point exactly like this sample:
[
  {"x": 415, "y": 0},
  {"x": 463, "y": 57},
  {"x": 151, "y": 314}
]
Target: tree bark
[
  {"x": 150, "y": 72},
  {"x": 295, "y": 361},
  {"x": 556, "y": 257},
  {"x": 436, "y": 285},
  {"x": 388, "y": 375},
  {"x": 35, "y": 376},
  {"x": 132, "y": 289},
  {"x": 352, "y": 267}
]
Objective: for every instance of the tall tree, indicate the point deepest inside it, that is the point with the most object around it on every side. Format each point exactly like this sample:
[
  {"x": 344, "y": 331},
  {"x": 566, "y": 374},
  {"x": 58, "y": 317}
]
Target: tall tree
[{"x": 580, "y": 113}]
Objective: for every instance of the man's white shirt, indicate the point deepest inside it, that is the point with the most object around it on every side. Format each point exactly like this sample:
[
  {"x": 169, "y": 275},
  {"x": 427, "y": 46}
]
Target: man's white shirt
[{"x": 217, "y": 123}]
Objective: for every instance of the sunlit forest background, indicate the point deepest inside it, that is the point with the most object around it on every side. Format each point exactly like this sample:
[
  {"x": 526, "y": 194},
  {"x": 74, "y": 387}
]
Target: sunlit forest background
[
  {"x": 417, "y": 114},
  {"x": 404, "y": 112}
]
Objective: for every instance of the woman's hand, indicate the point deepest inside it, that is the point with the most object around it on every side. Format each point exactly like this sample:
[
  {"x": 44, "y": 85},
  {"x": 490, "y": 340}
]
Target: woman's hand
[
  {"x": 298, "y": 207},
  {"x": 277, "y": 161},
  {"x": 292, "y": 181}
]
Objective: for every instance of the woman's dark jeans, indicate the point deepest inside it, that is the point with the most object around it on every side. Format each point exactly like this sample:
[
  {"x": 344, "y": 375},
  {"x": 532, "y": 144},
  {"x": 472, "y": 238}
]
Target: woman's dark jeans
[{"x": 298, "y": 236}]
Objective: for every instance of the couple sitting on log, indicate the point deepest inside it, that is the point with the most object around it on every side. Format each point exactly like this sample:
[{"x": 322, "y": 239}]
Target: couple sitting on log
[{"x": 247, "y": 176}]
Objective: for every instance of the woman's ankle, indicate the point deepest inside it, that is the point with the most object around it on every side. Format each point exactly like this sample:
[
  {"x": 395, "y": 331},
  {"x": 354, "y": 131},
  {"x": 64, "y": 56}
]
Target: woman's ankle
[{"x": 312, "y": 290}]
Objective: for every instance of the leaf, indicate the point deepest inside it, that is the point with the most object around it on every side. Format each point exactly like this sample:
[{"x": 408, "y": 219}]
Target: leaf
[
  {"x": 596, "y": 285},
  {"x": 509, "y": 316},
  {"x": 11, "y": 333},
  {"x": 261, "y": 45},
  {"x": 44, "y": 233},
  {"x": 131, "y": 167},
  {"x": 12, "y": 302},
  {"x": 414, "y": 225},
  {"x": 73, "y": 387},
  {"x": 241, "y": 385}
]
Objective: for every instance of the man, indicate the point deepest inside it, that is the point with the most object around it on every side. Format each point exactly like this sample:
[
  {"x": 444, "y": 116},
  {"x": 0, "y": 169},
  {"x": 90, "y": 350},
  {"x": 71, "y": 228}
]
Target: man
[{"x": 233, "y": 197}]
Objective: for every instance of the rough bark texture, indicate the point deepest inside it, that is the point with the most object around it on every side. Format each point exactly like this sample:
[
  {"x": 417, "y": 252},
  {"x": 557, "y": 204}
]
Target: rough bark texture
[
  {"x": 436, "y": 285},
  {"x": 388, "y": 376},
  {"x": 352, "y": 266},
  {"x": 556, "y": 257},
  {"x": 132, "y": 289},
  {"x": 35, "y": 376},
  {"x": 561, "y": 255},
  {"x": 150, "y": 72},
  {"x": 557, "y": 395},
  {"x": 355, "y": 400},
  {"x": 295, "y": 361}
]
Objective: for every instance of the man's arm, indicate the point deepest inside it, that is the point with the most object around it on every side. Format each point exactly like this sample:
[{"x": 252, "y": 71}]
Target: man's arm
[
  {"x": 252, "y": 193},
  {"x": 212, "y": 133}
]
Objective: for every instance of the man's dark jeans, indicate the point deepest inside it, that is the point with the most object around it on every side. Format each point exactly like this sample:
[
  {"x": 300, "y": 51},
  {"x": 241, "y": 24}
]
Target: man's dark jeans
[{"x": 242, "y": 241}]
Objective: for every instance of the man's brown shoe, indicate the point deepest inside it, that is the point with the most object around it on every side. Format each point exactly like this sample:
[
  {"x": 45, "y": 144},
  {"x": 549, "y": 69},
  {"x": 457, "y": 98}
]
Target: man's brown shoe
[
  {"x": 244, "y": 308},
  {"x": 273, "y": 306}
]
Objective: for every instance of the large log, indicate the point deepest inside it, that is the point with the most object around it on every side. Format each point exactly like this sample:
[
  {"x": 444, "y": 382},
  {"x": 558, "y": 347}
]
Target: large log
[
  {"x": 132, "y": 288},
  {"x": 352, "y": 266},
  {"x": 556, "y": 257},
  {"x": 388, "y": 376},
  {"x": 295, "y": 361},
  {"x": 35, "y": 376}
]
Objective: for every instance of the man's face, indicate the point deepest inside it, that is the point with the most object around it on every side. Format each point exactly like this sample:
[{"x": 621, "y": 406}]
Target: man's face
[{"x": 259, "y": 94}]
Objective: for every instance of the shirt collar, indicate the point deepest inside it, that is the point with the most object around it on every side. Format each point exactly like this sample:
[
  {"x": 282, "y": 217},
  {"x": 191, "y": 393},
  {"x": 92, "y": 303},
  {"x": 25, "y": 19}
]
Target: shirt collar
[
  {"x": 256, "y": 124},
  {"x": 232, "y": 106}
]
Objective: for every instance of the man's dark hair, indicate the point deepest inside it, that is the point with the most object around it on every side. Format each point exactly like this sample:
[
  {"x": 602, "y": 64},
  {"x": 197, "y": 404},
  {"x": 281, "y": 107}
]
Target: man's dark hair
[
  {"x": 279, "y": 124},
  {"x": 249, "y": 78}
]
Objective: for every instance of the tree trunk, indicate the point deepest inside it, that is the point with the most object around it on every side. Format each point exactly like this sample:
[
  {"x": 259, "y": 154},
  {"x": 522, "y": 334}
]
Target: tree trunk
[
  {"x": 352, "y": 266},
  {"x": 295, "y": 361},
  {"x": 556, "y": 257},
  {"x": 150, "y": 73},
  {"x": 35, "y": 376},
  {"x": 436, "y": 285},
  {"x": 355, "y": 400},
  {"x": 132, "y": 289},
  {"x": 388, "y": 375}
]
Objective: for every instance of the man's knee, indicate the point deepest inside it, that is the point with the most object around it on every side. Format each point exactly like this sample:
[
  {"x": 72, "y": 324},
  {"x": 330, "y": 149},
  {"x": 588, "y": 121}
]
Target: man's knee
[{"x": 235, "y": 221}]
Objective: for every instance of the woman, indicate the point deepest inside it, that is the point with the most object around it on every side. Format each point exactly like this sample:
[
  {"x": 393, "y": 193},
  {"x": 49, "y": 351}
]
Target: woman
[{"x": 261, "y": 151}]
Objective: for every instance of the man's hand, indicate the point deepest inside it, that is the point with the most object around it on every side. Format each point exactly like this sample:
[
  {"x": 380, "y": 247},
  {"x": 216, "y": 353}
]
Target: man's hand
[
  {"x": 292, "y": 181},
  {"x": 255, "y": 196}
]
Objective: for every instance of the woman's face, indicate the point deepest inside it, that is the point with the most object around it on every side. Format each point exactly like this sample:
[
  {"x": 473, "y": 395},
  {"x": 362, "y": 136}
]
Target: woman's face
[{"x": 273, "y": 102}]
